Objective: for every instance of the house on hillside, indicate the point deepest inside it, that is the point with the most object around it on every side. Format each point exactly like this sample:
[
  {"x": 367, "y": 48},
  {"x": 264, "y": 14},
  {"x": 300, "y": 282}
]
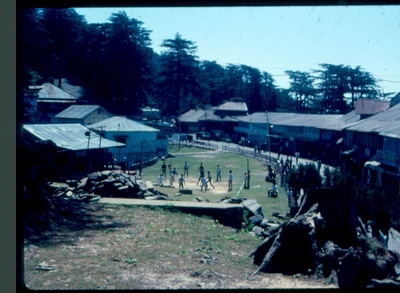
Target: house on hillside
[
  {"x": 83, "y": 114},
  {"x": 51, "y": 100},
  {"x": 141, "y": 142},
  {"x": 76, "y": 148}
]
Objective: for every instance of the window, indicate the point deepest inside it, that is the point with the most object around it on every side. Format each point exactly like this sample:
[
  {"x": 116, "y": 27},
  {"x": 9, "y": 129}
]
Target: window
[
  {"x": 391, "y": 145},
  {"x": 121, "y": 139}
]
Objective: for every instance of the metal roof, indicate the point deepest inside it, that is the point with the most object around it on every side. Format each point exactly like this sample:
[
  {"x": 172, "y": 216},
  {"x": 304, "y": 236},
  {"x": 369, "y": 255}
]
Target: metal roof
[
  {"x": 191, "y": 116},
  {"x": 70, "y": 136},
  {"x": 370, "y": 106},
  {"x": 391, "y": 114},
  {"x": 121, "y": 124},
  {"x": 49, "y": 91},
  {"x": 258, "y": 117},
  {"x": 79, "y": 111},
  {"x": 386, "y": 123},
  {"x": 321, "y": 121},
  {"x": 74, "y": 90},
  {"x": 210, "y": 115},
  {"x": 233, "y": 106}
]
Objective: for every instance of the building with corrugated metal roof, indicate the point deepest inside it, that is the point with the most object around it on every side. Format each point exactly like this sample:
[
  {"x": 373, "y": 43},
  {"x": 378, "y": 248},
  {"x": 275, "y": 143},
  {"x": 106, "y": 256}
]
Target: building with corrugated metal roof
[
  {"x": 51, "y": 99},
  {"x": 231, "y": 109},
  {"x": 76, "y": 148},
  {"x": 368, "y": 107},
  {"x": 221, "y": 118},
  {"x": 141, "y": 142},
  {"x": 189, "y": 122},
  {"x": 83, "y": 114},
  {"x": 374, "y": 143},
  {"x": 312, "y": 135}
]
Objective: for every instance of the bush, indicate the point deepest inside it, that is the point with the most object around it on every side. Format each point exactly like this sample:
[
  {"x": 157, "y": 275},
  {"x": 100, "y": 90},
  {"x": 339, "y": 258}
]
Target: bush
[
  {"x": 304, "y": 177},
  {"x": 374, "y": 203},
  {"x": 246, "y": 224}
]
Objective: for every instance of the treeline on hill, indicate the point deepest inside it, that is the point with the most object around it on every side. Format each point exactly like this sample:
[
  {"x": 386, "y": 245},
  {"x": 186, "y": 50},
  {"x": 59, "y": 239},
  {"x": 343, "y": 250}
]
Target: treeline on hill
[{"x": 119, "y": 70}]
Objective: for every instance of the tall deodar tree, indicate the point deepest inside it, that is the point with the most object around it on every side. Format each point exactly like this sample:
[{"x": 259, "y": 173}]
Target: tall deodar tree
[
  {"x": 128, "y": 60},
  {"x": 178, "y": 76},
  {"x": 302, "y": 90}
]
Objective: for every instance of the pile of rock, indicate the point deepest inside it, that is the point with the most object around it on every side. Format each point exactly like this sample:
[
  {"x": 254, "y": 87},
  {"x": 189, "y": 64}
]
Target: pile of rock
[
  {"x": 106, "y": 184},
  {"x": 253, "y": 217}
]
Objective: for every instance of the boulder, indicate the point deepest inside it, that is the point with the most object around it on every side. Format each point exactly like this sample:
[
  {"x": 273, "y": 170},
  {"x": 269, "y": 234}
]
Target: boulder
[
  {"x": 256, "y": 219},
  {"x": 257, "y": 231},
  {"x": 82, "y": 183},
  {"x": 150, "y": 185},
  {"x": 252, "y": 207}
]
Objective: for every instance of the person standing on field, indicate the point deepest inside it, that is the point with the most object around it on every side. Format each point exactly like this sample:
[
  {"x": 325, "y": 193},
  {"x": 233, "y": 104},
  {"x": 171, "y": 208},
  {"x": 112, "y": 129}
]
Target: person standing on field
[
  {"x": 186, "y": 169},
  {"x": 248, "y": 179},
  {"x": 164, "y": 170},
  {"x": 230, "y": 181},
  {"x": 201, "y": 170},
  {"x": 203, "y": 184},
  {"x": 209, "y": 179},
  {"x": 297, "y": 155},
  {"x": 171, "y": 178},
  {"x": 292, "y": 202},
  {"x": 181, "y": 182},
  {"x": 218, "y": 173}
]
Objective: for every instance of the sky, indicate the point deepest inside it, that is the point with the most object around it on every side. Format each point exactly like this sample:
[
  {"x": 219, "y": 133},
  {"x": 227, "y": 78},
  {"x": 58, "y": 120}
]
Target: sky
[{"x": 275, "y": 39}]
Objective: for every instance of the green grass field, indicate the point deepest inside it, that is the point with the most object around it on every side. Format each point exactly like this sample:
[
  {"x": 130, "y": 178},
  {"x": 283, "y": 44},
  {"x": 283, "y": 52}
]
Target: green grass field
[{"x": 227, "y": 161}]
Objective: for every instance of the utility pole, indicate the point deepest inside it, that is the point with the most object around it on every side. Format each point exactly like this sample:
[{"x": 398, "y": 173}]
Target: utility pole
[
  {"x": 119, "y": 148},
  {"x": 89, "y": 153},
  {"x": 269, "y": 136},
  {"x": 269, "y": 141}
]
